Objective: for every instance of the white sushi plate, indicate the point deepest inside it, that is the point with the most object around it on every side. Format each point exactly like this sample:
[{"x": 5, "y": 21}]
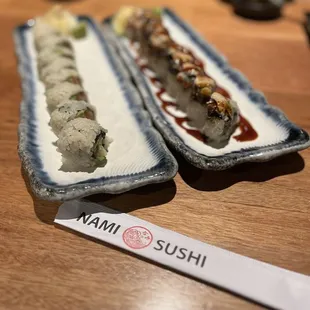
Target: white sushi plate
[
  {"x": 276, "y": 134},
  {"x": 138, "y": 154}
]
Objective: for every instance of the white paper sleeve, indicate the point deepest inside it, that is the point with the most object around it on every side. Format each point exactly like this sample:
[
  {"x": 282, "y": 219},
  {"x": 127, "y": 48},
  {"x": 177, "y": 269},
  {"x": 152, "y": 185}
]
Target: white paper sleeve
[{"x": 261, "y": 282}]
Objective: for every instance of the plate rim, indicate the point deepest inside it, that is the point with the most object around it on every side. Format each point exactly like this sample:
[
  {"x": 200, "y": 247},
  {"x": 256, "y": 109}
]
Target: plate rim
[
  {"x": 164, "y": 170},
  {"x": 297, "y": 139}
]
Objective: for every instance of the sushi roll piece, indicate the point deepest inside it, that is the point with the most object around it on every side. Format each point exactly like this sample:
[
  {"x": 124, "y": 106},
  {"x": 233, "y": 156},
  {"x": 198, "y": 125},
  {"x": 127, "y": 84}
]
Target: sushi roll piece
[
  {"x": 64, "y": 75},
  {"x": 53, "y": 40},
  {"x": 83, "y": 143},
  {"x": 197, "y": 106},
  {"x": 136, "y": 23},
  {"x": 221, "y": 118},
  {"x": 57, "y": 65},
  {"x": 157, "y": 54},
  {"x": 42, "y": 30},
  {"x": 64, "y": 91},
  {"x": 49, "y": 55},
  {"x": 187, "y": 76},
  {"x": 176, "y": 59},
  {"x": 69, "y": 110},
  {"x": 202, "y": 89}
]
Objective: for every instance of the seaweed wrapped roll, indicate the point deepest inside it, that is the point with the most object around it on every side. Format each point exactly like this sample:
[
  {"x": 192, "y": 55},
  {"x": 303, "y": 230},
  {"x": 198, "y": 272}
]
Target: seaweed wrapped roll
[
  {"x": 64, "y": 91},
  {"x": 69, "y": 110},
  {"x": 84, "y": 143}
]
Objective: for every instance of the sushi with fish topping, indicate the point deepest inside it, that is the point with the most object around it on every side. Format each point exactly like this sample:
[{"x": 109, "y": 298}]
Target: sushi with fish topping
[
  {"x": 217, "y": 117},
  {"x": 181, "y": 74},
  {"x": 64, "y": 91},
  {"x": 83, "y": 143},
  {"x": 69, "y": 110}
]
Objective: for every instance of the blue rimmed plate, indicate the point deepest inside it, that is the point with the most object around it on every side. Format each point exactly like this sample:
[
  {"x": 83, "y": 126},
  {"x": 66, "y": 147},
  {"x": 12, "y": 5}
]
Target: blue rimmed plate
[
  {"x": 138, "y": 154},
  {"x": 273, "y": 133}
]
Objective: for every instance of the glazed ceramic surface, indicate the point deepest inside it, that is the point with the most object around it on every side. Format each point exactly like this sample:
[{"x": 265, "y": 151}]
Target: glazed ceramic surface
[
  {"x": 276, "y": 134},
  {"x": 137, "y": 156}
]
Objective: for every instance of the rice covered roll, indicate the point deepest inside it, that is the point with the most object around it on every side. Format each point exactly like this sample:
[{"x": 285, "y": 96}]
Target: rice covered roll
[
  {"x": 57, "y": 65},
  {"x": 64, "y": 91},
  {"x": 49, "y": 55},
  {"x": 42, "y": 30},
  {"x": 221, "y": 118},
  {"x": 83, "y": 142},
  {"x": 201, "y": 92},
  {"x": 69, "y": 110},
  {"x": 53, "y": 40},
  {"x": 64, "y": 75}
]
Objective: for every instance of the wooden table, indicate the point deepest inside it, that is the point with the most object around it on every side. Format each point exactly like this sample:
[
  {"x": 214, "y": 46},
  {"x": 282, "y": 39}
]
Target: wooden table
[{"x": 258, "y": 210}]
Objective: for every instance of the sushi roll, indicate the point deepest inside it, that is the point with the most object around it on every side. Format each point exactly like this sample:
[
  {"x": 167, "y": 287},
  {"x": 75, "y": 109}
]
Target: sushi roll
[
  {"x": 202, "y": 89},
  {"x": 48, "y": 55},
  {"x": 221, "y": 118},
  {"x": 57, "y": 65},
  {"x": 64, "y": 91},
  {"x": 64, "y": 75},
  {"x": 69, "y": 110},
  {"x": 182, "y": 75},
  {"x": 84, "y": 143}
]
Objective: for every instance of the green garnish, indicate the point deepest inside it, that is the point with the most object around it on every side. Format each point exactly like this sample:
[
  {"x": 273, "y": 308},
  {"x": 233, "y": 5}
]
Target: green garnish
[
  {"x": 80, "y": 113},
  {"x": 100, "y": 152},
  {"x": 79, "y": 31}
]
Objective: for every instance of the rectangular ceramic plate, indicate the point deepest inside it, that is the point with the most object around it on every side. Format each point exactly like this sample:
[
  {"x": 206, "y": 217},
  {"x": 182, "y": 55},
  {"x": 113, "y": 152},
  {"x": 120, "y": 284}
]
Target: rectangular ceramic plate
[
  {"x": 138, "y": 154},
  {"x": 276, "y": 134}
]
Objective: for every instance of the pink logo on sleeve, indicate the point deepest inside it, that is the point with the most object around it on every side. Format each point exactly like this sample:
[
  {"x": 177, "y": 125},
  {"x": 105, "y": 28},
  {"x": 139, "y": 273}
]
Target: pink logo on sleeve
[{"x": 137, "y": 237}]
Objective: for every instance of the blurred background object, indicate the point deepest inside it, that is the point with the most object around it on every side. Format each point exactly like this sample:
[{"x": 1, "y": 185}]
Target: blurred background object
[
  {"x": 258, "y": 9},
  {"x": 307, "y": 25}
]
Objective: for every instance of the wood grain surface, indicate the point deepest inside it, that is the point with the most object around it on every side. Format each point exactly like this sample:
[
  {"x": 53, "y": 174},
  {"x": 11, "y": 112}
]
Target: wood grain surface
[{"x": 257, "y": 210}]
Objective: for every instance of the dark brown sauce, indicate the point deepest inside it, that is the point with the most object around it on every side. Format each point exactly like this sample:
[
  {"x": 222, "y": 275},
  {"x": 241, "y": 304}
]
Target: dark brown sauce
[
  {"x": 222, "y": 91},
  {"x": 179, "y": 120},
  {"x": 248, "y": 133}
]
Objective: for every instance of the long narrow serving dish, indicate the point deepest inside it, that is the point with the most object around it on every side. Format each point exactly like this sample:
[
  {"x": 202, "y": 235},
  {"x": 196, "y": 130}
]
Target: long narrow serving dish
[
  {"x": 138, "y": 154},
  {"x": 264, "y": 131}
]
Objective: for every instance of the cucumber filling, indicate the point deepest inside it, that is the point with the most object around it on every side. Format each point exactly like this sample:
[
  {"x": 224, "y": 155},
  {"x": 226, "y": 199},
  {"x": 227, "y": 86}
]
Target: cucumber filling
[
  {"x": 87, "y": 113},
  {"x": 100, "y": 152}
]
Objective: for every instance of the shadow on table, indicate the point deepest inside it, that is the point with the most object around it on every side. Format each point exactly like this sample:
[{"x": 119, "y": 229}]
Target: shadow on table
[
  {"x": 144, "y": 197},
  {"x": 204, "y": 180}
]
